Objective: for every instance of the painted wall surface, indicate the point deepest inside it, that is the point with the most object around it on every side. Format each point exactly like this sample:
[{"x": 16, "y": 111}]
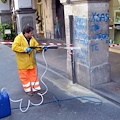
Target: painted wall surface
[
  {"x": 5, "y": 13},
  {"x": 48, "y": 17},
  {"x": 22, "y": 4},
  {"x": 4, "y": 6},
  {"x": 49, "y": 21}
]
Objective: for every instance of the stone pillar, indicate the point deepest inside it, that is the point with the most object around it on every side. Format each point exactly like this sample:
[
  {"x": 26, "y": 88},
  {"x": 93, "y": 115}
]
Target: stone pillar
[
  {"x": 49, "y": 6},
  {"x": 25, "y": 15},
  {"x": 91, "y": 34},
  {"x": 5, "y": 12}
]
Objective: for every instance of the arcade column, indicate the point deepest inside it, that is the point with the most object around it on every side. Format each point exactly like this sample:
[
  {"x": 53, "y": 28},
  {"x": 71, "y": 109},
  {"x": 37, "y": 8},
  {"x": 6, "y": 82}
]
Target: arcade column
[
  {"x": 25, "y": 15},
  {"x": 5, "y": 12},
  {"x": 90, "y": 31}
]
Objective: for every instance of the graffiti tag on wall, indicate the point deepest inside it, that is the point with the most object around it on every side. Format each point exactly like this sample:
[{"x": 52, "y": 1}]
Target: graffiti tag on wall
[{"x": 82, "y": 37}]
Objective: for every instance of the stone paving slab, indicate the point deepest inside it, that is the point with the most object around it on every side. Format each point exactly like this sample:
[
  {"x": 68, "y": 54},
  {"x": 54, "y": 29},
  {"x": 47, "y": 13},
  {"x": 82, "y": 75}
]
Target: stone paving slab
[{"x": 111, "y": 91}]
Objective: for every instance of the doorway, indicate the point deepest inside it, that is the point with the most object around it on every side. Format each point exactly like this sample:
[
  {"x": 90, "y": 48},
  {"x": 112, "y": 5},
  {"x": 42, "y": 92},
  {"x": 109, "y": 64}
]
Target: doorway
[{"x": 60, "y": 14}]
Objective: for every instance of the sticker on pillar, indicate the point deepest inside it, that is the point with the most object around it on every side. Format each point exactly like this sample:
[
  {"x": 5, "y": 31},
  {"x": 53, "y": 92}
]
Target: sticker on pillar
[{"x": 7, "y": 31}]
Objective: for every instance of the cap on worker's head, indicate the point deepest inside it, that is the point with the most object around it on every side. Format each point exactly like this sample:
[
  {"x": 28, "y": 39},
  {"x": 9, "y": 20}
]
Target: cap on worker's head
[{"x": 27, "y": 29}]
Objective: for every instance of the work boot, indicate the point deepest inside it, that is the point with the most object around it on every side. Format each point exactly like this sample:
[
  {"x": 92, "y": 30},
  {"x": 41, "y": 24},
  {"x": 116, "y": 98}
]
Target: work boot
[
  {"x": 41, "y": 92},
  {"x": 30, "y": 93}
]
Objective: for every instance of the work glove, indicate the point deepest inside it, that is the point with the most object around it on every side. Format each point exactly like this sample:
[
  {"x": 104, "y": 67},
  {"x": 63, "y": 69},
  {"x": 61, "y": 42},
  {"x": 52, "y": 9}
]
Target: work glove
[
  {"x": 28, "y": 49},
  {"x": 45, "y": 48}
]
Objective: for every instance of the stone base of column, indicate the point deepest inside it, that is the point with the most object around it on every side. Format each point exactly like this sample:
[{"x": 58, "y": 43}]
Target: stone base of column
[
  {"x": 26, "y": 16},
  {"x": 5, "y": 16},
  {"x": 90, "y": 76}
]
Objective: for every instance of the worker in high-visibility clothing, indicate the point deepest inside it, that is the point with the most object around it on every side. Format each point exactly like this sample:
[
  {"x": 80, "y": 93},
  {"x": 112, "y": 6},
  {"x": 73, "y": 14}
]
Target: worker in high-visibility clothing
[{"x": 26, "y": 60}]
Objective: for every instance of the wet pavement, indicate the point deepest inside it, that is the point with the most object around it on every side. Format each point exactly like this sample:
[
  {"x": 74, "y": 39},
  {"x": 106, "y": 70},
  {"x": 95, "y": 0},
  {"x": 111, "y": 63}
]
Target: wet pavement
[
  {"x": 59, "y": 84},
  {"x": 111, "y": 90}
]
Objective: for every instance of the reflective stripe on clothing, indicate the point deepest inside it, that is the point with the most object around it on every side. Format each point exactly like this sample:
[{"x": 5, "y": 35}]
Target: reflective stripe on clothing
[
  {"x": 26, "y": 85},
  {"x": 28, "y": 90},
  {"x": 36, "y": 88},
  {"x": 29, "y": 79},
  {"x": 34, "y": 83}
]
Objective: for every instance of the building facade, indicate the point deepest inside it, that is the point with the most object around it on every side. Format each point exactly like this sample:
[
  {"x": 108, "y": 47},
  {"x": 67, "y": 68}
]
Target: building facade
[
  {"x": 38, "y": 13},
  {"x": 47, "y": 10}
]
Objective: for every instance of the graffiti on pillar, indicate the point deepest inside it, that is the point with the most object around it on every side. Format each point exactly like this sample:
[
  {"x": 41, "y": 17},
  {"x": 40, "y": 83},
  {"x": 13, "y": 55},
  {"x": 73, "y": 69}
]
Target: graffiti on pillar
[
  {"x": 97, "y": 17},
  {"x": 95, "y": 27},
  {"x": 81, "y": 23},
  {"x": 95, "y": 47},
  {"x": 101, "y": 36},
  {"x": 95, "y": 20},
  {"x": 81, "y": 37}
]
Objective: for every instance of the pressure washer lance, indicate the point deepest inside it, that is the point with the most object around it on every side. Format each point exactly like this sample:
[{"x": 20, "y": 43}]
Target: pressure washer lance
[
  {"x": 56, "y": 47},
  {"x": 49, "y": 47}
]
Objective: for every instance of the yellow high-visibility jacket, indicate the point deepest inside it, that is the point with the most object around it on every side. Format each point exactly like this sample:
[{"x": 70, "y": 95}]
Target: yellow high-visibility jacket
[{"x": 25, "y": 60}]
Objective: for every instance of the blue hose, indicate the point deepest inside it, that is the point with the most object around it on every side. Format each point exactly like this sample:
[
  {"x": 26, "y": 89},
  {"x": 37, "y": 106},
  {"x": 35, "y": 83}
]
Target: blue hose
[{"x": 58, "y": 101}]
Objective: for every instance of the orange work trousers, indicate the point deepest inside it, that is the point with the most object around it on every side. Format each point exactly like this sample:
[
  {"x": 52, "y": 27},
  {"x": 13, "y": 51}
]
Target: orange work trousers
[{"x": 29, "y": 79}]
